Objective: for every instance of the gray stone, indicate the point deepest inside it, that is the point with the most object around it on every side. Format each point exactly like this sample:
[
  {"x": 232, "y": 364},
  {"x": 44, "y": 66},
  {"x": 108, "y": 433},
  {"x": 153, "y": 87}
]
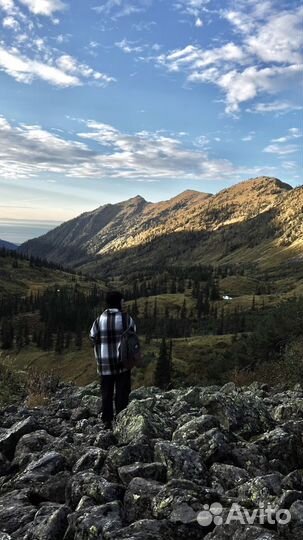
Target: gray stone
[
  {"x": 91, "y": 521},
  {"x": 149, "y": 471},
  {"x": 138, "y": 499},
  {"x": 181, "y": 461},
  {"x": 9, "y": 439},
  {"x": 125, "y": 455},
  {"x": 194, "y": 428},
  {"x": 94, "y": 486},
  {"x": 181, "y": 500},
  {"x": 50, "y": 523},
  {"x": 30, "y": 444},
  {"x": 263, "y": 489},
  {"x": 92, "y": 459},
  {"x": 140, "y": 419},
  {"x": 15, "y": 511},
  {"x": 293, "y": 530},
  {"x": 225, "y": 476},
  {"x": 53, "y": 489},
  {"x": 93, "y": 404}
]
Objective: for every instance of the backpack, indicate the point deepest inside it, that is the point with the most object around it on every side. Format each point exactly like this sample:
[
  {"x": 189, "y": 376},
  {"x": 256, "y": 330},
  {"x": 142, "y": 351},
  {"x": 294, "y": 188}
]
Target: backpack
[{"x": 129, "y": 348}]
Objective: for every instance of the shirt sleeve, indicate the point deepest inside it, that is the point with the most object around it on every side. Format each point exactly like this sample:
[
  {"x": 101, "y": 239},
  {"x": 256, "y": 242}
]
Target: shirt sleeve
[
  {"x": 132, "y": 324},
  {"x": 94, "y": 331}
]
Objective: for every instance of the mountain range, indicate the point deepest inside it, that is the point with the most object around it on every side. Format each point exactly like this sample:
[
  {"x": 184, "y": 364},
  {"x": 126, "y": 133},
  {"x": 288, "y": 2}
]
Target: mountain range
[
  {"x": 7, "y": 245},
  {"x": 257, "y": 220}
]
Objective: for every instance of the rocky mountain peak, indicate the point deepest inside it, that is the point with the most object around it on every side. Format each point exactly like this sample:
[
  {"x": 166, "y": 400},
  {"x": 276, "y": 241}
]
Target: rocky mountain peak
[
  {"x": 266, "y": 183},
  {"x": 136, "y": 200}
]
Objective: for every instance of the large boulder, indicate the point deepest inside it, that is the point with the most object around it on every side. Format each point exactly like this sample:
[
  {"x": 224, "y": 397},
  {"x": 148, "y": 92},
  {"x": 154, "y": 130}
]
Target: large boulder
[
  {"x": 144, "y": 529},
  {"x": 29, "y": 445},
  {"x": 282, "y": 445},
  {"x": 10, "y": 437},
  {"x": 241, "y": 413},
  {"x": 94, "y": 521},
  {"x": 292, "y": 530},
  {"x": 141, "y": 419},
  {"x": 16, "y": 511},
  {"x": 181, "y": 462},
  {"x": 126, "y": 455},
  {"x": 93, "y": 404},
  {"x": 225, "y": 476},
  {"x": 149, "y": 471},
  {"x": 50, "y": 523},
  {"x": 94, "y": 486},
  {"x": 181, "y": 501},
  {"x": 53, "y": 489},
  {"x": 92, "y": 459},
  {"x": 138, "y": 499},
  {"x": 194, "y": 427}
]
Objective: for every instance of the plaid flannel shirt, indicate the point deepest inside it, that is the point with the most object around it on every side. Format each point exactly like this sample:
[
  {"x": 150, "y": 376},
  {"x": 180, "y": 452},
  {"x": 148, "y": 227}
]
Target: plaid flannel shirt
[{"x": 105, "y": 334}]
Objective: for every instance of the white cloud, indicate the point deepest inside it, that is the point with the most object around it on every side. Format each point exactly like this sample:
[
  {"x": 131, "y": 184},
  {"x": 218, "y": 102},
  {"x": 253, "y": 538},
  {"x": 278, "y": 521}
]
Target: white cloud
[
  {"x": 6, "y": 5},
  {"x": 69, "y": 64},
  {"x": 25, "y": 70},
  {"x": 240, "y": 20},
  {"x": 289, "y": 165},
  {"x": 280, "y": 40},
  {"x": 281, "y": 150},
  {"x": 27, "y": 56},
  {"x": 278, "y": 107},
  {"x": 193, "y": 58},
  {"x": 280, "y": 139},
  {"x": 246, "y": 85},
  {"x": 293, "y": 133},
  {"x": 11, "y": 23},
  {"x": 67, "y": 72},
  {"x": 129, "y": 46},
  {"x": 202, "y": 141},
  {"x": 63, "y": 38},
  {"x": 249, "y": 137},
  {"x": 29, "y": 151},
  {"x": 122, "y": 8},
  {"x": 44, "y": 7},
  {"x": 191, "y": 7},
  {"x": 266, "y": 60}
]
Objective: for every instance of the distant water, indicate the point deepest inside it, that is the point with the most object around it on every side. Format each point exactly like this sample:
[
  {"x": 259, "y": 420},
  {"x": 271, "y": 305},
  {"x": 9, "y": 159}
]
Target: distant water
[{"x": 18, "y": 231}]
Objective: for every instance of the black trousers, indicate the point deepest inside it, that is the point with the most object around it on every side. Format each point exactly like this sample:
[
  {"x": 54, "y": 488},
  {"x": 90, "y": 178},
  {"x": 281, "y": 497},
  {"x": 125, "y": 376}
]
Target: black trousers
[{"x": 122, "y": 385}]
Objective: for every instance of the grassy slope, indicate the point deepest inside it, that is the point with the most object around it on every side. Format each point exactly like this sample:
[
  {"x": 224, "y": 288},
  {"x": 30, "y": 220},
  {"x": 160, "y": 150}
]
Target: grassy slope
[
  {"x": 79, "y": 366},
  {"x": 26, "y": 279}
]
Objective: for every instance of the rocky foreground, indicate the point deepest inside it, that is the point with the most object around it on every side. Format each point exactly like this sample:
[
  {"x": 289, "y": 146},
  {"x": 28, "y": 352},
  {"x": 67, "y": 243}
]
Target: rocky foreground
[{"x": 172, "y": 457}]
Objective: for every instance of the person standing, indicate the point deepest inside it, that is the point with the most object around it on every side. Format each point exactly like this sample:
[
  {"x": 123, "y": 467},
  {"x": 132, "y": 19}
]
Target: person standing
[{"x": 105, "y": 334}]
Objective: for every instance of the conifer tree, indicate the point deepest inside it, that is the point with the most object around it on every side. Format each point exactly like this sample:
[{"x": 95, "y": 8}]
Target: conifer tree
[
  {"x": 162, "y": 375},
  {"x": 7, "y": 333},
  {"x": 183, "y": 312}
]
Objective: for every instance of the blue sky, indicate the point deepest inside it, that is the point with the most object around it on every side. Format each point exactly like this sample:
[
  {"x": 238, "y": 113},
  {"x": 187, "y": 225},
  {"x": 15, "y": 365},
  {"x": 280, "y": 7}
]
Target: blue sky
[{"x": 104, "y": 100}]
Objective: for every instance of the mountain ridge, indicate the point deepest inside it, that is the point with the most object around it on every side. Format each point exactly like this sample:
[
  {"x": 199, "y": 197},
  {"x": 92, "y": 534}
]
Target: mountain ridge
[
  {"x": 8, "y": 245},
  {"x": 136, "y": 223}
]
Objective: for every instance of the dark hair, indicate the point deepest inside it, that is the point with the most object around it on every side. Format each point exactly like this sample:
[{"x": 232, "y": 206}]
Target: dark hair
[{"x": 113, "y": 299}]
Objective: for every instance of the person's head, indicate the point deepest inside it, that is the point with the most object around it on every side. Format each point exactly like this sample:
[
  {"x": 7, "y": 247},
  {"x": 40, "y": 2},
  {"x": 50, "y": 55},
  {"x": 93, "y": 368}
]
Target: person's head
[{"x": 114, "y": 299}]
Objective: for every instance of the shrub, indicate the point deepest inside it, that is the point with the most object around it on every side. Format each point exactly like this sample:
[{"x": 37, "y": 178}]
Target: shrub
[
  {"x": 286, "y": 369},
  {"x": 11, "y": 386},
  {"x": 40, "y": 386},
  {"x": 290, "y": 367}
]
